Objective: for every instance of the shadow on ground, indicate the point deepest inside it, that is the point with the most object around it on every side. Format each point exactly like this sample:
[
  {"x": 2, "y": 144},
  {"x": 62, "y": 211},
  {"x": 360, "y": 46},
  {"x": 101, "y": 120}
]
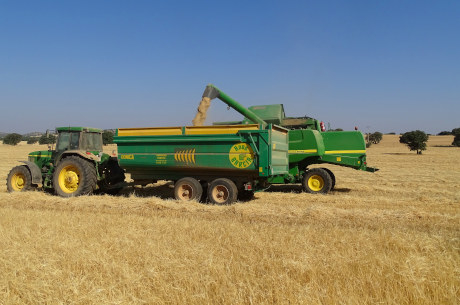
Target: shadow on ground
[
  {"x": 297, "y": 189},
  {"x": 165, "y": 191},
  {"x": 400, "y": 154}
]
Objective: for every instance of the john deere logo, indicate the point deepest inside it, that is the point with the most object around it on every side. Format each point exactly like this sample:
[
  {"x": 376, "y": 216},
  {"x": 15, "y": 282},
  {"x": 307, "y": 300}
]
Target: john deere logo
[{"x": 241, "y": 155}]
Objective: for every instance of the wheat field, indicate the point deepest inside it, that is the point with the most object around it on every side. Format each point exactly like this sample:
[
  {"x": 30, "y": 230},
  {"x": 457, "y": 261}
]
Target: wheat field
[{"x": 392, "y": 237}]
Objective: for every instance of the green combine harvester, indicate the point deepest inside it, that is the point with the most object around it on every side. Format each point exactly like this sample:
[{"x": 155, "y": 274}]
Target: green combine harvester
[
  {"x": 219, "y": 163},
  {"x": 309, "y": 144}
]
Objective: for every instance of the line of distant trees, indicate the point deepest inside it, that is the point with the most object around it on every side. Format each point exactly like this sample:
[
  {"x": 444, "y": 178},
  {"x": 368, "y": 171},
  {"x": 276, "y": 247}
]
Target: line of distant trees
[
  {"x": 455, "y": 132},
  {"x": 415, "y": 140},
  {"x": 15, "y": 138}
]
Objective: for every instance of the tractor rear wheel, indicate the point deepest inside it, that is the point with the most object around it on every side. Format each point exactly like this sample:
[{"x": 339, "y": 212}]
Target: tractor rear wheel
[
  {"x": 74, "y": 176},
  {"x": 187, "y": 189},
  {"x": 222, "y": 191},
  {"x": 332, "y": 177},
  {"x": 19, "y": 179},
  {"x": 317, "y": 181}
]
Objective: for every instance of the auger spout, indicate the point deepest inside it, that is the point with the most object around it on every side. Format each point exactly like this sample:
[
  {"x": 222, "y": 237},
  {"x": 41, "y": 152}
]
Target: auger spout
[{"x": 212, "y": 92}]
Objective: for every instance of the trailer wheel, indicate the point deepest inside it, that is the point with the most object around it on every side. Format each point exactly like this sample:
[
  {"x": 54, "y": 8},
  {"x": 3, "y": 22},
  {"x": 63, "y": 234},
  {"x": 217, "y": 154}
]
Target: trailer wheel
[
  {"x": 332, "y": 177},
  {"x": 317, "y": 181},
  {"x": 74, "y": 177},
  {"x": 222, "y": 191},
  {"x": 19, "y": 179},
  {"x": 188, "y": 189}
]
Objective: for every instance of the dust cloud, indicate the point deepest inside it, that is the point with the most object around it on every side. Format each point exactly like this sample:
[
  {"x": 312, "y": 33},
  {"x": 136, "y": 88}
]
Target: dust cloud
[{"x": 202, "y": 110}]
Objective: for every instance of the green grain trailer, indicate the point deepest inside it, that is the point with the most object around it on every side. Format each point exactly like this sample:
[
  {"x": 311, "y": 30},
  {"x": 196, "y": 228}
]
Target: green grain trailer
[{"x": 225, "y": 160}]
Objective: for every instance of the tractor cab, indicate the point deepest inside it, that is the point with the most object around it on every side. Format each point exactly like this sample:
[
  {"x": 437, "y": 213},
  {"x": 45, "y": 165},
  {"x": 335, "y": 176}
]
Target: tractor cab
[{"x": 79, "y": 138}]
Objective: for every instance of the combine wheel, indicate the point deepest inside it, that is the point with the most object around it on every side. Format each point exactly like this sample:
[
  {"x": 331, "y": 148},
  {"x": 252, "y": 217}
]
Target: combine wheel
[
  {"x": 19, "y": 179},
  {"x": 188, "y": 189},
  {"x": 332, "y": 177},
  {"x": 74, "y": 177},
  {"x": 317, "y": 181},
  {"x": 222, "y": 191}
]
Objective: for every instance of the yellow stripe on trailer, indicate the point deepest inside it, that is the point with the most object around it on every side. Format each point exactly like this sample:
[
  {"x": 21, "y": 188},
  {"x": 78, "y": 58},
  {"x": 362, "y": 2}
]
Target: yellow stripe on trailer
[
  {"x": 150, "y": 131},
  {"x": 219, "y": 129},
  {"x": 188, "y": 130},
  {"x": 303, "y": 151},
  {"x": 332, "y": 152}
]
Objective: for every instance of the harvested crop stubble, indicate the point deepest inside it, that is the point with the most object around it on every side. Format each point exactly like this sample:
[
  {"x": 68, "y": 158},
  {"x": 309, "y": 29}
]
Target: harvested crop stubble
[{"x": 391, "y": 237}]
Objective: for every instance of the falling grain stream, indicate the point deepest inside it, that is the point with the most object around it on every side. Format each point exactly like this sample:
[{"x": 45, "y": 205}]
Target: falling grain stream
[{"x": 202, "y": 110}]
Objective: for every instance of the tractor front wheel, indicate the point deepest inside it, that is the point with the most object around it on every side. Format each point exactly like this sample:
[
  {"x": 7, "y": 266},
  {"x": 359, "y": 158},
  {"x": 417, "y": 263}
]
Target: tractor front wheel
[
  {"x": 74, "y": 176},
  {"x": 317, "y": 181},
  {"x": 19, "y": 179}
]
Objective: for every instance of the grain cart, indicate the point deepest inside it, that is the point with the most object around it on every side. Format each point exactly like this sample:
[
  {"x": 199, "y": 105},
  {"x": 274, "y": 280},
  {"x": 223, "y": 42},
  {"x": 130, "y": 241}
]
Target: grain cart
[
  {"x": 309, "y": 144},
  {"x": 76, "y": 167},
  {"x": 222, "y": 163}
]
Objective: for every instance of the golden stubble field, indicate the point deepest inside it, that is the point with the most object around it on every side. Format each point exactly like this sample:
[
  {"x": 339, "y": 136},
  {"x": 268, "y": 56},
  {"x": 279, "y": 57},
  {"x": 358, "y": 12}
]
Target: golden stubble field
[{"x": 392, "y": 237}]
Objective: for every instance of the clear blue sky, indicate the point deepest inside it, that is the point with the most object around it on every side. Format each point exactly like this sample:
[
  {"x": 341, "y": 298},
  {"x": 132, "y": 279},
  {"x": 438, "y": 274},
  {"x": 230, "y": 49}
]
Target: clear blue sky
[{"x": 389, "y": 66}]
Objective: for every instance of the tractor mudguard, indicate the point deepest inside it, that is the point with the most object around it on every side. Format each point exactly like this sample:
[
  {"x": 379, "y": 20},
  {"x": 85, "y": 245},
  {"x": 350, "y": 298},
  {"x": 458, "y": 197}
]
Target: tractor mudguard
[
  {"x": 35, "y": 172},
  {"x": 82, "y": 154}
]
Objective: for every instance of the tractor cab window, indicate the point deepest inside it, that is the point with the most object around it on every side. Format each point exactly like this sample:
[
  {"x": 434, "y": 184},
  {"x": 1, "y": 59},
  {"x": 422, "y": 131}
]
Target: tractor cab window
[
  {"x": 74, "y": 140},
  {"x": 68, "y": 141},
  {"x": 92, "y": 141}
]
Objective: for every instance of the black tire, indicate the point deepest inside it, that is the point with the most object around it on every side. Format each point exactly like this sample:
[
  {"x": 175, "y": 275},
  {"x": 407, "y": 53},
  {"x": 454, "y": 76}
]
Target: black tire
[
  {"x": 19, "y": 179},
  {"x": 187, "y": 189},
  {"x": 316, "y": 181},
  {"x": 244, "y": 195},
  {"x": 113, "y": 174},
  {"x": 222, "y": 191},
  {"x": 74, "y": 176},
  {"x": 332, "y": 177}
]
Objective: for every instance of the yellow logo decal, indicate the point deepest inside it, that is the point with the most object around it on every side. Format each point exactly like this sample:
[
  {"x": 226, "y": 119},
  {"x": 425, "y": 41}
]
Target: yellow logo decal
[
  {"x": 128, "y": 157},
  {"x": 186, "y": 156},
  {"x": 241, "y": 155}
]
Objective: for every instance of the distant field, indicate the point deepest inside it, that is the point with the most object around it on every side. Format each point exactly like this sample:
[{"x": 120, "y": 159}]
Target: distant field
[{"x": 392, "y": 237}]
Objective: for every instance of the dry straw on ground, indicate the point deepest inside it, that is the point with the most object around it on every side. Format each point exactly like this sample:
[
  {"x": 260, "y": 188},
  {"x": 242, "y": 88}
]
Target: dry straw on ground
[{"x": 391, "y": 237}]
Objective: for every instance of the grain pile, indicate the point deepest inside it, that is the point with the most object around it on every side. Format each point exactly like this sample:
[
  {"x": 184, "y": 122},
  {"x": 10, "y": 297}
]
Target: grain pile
[
  {"x": 202, "y": 111},
  {"x": 391, "y": 237}
]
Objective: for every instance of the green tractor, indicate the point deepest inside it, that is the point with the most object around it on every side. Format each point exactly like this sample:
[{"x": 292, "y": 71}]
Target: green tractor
[{"x": 76, "y": 167}]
